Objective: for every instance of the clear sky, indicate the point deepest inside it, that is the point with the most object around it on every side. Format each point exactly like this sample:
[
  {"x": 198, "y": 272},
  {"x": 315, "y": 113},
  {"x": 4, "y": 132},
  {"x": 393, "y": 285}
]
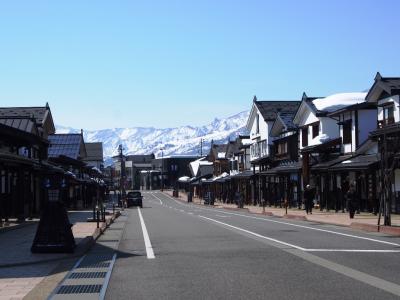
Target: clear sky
[{"x": 104, "y": 64}]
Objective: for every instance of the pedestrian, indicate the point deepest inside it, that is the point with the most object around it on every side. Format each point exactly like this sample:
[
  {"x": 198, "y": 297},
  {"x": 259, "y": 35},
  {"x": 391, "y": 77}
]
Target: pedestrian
[
  {"x": 351, "y": 197},
  {"x": 309, "y": 199}
]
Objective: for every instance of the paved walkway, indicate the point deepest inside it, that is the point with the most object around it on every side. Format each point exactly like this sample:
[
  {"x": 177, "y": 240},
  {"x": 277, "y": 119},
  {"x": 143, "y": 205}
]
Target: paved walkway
[
  {"x": 364, "y": 221},
  {"x": 21, "y": 270}
]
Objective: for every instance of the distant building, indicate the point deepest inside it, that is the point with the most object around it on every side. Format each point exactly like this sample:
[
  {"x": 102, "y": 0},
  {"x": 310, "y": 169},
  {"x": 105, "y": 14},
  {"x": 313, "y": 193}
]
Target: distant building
[{"x": 94, "y": 157}]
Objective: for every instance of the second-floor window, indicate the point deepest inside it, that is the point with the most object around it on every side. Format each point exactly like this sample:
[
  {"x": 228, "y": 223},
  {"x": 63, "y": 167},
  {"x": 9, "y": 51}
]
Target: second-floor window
[
  {"x": 388, "y": 114},
  {"x": 304, "y": 136},
  {"x": 257, "y": 124},
  {"x": 315, "y": 129},
  {"x": 347, "y": 132},
  {"x": 282, "y": 148}
]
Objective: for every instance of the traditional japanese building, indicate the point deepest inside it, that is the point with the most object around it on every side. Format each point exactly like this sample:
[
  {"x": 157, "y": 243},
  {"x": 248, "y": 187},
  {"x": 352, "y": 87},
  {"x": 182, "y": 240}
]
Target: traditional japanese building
[{"x": 385, "y": 93}]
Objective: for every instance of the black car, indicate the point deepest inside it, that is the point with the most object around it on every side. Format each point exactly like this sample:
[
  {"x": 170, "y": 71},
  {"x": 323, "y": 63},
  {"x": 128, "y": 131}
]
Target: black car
[{"x": 134, "y": 198}]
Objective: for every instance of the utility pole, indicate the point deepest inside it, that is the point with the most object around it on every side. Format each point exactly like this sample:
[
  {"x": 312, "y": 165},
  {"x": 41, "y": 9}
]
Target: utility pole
[
  {"x": 162, "y": 169},
  {"x": 201, "y": 147},
  {"x": 123, "y": 175}
]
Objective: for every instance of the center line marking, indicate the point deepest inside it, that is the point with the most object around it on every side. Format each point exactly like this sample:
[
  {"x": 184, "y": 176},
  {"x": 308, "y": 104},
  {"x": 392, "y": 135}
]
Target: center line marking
[{"x": 147, "y": 243}]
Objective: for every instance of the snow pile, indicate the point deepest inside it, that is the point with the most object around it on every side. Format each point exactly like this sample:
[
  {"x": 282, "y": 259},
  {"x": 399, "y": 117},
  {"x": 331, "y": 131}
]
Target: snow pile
[
  {"x": 221, "y": 154},
  {"x": 338, "y": 101},
  {"x": 320, "y": 139}
]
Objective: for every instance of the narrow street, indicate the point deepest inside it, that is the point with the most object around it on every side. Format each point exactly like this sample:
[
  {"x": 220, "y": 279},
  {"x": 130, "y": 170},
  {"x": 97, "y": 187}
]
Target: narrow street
[{"x": 188, "y": 251}]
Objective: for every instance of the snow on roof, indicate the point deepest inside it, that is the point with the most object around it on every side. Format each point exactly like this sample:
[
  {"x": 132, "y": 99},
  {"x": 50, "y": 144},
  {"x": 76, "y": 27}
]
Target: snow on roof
[
  {"x": 320, "y": 139},
  {"x": 338, "y": 101},
  {"x": 195, "y": 165},
  {"x": 221, "y": 155},
  {"x": 184, "y": 179},
  {"x": 247, "y": 142},
  {"x": 223, "y": 175}
]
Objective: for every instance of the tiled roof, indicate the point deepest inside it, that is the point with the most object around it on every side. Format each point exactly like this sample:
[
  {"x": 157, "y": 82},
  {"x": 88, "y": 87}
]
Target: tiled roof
[
  {"x": 23, "y": 124},
  {"x": 94, "y": 152},
  {"x": 65, "y": 144},
  {"x": 38, "y": 113},
  {"x": 269, "y": 109}
]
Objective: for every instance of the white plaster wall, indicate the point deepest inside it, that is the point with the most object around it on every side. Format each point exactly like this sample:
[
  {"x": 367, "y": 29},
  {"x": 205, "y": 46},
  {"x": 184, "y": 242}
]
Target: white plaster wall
[
  {"x": 329, "y": 127},
  {"x": 367, "y": 121}
]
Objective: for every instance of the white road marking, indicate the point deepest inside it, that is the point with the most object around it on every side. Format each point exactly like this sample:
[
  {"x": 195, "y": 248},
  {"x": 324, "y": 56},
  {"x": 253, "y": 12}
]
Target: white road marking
[
  {"x": 221, "y": 216},
  {"x": 302, "y": 226},
  {"x": 253, "y": 233},
  {"x": 353, "y": 250},
  {"x": 190, "y": 213},
  {"x": 149, "y": 248},
  {"x": 298, "y": 247},
  {"x": 157, "y": 198}
]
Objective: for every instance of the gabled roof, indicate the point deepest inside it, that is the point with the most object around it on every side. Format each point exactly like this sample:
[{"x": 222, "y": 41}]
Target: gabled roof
[
  {"x": 322, "y": 106},
  {"x": 269, "y": 109},
  {"x": 283, "y": 123},
  {"x": 39, "y": 113},
  {"x": 383, "y": 87},
  {"x": 70, "y": 145},
  {"x": 94, "y": 151}
]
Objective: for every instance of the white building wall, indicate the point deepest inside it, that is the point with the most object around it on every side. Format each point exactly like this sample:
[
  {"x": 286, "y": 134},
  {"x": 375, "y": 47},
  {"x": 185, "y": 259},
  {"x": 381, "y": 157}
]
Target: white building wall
[
  {"x": 367, "y": 122},
  {"x": 396, "y": 101}
]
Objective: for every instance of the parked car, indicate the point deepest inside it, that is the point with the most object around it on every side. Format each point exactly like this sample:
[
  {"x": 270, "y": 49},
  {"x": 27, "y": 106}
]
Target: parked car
[{"x": 134, "y": 198}]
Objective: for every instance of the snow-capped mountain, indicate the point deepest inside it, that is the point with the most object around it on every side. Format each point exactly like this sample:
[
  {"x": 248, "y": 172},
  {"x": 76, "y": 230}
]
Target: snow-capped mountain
[{"x": 179, "y": 140}]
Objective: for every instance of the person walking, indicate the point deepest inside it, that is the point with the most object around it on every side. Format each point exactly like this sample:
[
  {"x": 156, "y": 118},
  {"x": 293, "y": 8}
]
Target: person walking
[
  {"x": 309, "y": 199},
  {"x": 351, "y": 197}
]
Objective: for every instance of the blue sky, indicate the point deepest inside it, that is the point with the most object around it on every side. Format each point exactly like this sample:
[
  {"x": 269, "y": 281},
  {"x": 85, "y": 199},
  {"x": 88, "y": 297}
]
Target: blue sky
[{"x": 104, "y": 64}]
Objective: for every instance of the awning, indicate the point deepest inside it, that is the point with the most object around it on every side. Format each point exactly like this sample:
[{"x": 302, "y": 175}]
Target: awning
[
  {"x": 285, "y": 168},
  {"x": 323, "y": 146},
  {"x": 357, "y": 163},
  {"x": 324, "y": 166}
]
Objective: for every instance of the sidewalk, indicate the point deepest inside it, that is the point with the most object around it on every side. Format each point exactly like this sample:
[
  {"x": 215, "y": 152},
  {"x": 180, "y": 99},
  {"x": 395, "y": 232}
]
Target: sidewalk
[
  {"x": 21, "y": 270},
  {"x": 362, "y": 221}
]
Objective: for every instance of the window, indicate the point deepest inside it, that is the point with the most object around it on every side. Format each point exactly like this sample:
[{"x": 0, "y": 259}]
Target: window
[
  {"x": 257, "y": 124},
  {"x": 282, "y": 148},
  {"x": 347, "y": 132},
  {"x": 315, "y": 129},
  {"x": 388, "y": 114},
  {"x": 304, "y": 136}
]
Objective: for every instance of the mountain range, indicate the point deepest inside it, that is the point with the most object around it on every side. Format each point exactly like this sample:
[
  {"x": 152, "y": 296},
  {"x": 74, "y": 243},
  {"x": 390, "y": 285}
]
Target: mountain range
[{"x": 184, "y": 140}]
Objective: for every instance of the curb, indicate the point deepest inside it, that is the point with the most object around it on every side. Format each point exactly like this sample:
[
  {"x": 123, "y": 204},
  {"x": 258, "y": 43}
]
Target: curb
[
  {"x": 85, "y": 245},
  {"x": 22, "y": 225},
  {"x": 392, "y": 230}
]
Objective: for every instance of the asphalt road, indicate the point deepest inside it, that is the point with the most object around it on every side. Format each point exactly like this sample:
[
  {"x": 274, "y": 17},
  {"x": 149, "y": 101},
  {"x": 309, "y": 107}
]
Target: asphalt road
[{"x": 188, "y": 251}]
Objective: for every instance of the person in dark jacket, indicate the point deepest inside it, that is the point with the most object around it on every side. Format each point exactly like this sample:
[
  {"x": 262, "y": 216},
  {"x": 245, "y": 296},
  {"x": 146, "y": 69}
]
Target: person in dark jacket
[
  {"x": 309, "y": 195},
  {"x": 351, "y": 197}
]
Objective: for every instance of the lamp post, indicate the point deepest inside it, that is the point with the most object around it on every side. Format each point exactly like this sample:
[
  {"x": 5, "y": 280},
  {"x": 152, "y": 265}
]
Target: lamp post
[{"x": 162, "y": 169}]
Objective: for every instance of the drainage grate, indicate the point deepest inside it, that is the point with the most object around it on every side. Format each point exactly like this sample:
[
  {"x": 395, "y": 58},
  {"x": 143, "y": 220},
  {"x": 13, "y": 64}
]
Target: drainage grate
[
  {"x": 100, "y": 264},
  {"x": 80, "y": 289},
  {"x": 80, "y": 275}
]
